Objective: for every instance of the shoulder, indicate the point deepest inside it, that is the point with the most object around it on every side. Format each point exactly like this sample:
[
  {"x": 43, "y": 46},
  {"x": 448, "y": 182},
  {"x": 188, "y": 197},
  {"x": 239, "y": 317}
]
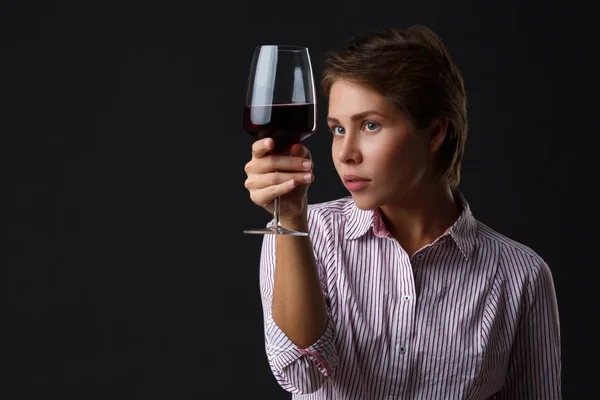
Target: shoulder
[{"x": 517, "y": 261}]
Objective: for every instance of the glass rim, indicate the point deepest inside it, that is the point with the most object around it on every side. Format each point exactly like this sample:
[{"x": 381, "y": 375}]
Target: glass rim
[{"x": 285, "y": 47}]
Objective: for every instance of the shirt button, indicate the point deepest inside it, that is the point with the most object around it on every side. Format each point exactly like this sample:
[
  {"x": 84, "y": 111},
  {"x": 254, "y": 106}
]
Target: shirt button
[
  {"x": 401, "y": 349},
  {"x": 406, "y": 298}
]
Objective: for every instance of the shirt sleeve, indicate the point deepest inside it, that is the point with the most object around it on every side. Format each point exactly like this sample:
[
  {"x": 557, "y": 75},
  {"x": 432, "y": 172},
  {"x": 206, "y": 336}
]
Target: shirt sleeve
[
  {"x": 297, "y": 370},
  {"x": 535, "y": 363}
]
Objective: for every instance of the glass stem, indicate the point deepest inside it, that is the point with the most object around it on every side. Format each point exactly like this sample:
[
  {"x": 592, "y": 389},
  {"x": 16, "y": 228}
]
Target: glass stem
[
  {"x": 276, "y": 203},
  {"x": 276, "y": 211}
]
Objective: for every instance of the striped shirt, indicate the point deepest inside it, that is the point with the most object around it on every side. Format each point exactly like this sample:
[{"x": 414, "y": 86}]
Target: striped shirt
[{"x": 472, "y": 315}]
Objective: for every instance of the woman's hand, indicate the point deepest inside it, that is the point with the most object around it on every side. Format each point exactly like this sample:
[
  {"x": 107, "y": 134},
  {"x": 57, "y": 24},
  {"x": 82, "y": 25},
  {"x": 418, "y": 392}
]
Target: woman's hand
[{"x": 271, "y": 175}]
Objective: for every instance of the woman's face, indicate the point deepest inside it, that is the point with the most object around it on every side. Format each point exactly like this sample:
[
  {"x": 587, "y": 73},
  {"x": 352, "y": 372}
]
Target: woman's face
[{"x": 376, "y": 154}]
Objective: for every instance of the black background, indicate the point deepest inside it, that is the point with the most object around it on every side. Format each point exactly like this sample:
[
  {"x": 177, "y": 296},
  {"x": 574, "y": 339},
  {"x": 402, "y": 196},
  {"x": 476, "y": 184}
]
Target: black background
[{"x": 126, "y": 274}]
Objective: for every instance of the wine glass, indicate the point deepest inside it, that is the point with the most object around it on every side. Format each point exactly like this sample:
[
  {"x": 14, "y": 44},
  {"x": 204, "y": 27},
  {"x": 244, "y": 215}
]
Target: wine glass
[{"x": 280, "y": 104}]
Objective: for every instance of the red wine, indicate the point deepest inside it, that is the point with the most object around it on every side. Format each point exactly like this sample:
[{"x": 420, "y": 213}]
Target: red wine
[{"x": 286, "y": 124}]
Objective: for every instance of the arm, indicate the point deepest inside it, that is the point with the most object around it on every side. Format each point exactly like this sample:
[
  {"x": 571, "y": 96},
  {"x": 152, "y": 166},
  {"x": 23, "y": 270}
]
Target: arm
[
  {"x": 299, "y": 333},
  {"x": 534, "y": 369},
  {"x": 298, "y": 306}
]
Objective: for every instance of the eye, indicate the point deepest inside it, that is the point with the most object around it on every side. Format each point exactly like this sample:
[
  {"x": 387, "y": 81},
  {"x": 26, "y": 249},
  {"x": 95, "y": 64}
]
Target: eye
[
  {"x": 337, "y": 130},
  {"x": 371, "y": 126}
]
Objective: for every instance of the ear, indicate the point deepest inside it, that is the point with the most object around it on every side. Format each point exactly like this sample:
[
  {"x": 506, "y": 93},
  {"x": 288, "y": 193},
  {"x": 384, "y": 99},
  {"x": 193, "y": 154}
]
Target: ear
[{"x": 438, "y": 134}]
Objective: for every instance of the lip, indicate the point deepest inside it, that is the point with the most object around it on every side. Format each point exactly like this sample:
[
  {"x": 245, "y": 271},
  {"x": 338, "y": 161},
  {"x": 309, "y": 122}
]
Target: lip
[
  {"x": 350, "y": 177},
  {"x": 355, "y": 183}
]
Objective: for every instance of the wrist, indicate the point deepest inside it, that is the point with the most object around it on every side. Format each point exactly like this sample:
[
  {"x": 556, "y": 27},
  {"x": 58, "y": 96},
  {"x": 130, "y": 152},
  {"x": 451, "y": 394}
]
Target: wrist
[{"x": 296, "y": 222}]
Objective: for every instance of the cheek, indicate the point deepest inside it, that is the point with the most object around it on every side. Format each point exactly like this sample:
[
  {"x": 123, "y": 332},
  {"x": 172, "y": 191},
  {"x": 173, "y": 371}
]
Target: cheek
[
  {"x": 387, "y": 153},
  {"x": 334, "y": 152},
  {"x": 403, "y": 158}
]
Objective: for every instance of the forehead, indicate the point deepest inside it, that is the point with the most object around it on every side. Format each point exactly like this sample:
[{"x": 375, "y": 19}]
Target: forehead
[{"x": 348, "y": 98}]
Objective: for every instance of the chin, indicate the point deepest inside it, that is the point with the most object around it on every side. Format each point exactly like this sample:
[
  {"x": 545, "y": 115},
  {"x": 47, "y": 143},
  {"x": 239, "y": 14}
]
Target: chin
[{"x": 365, "y": 203}]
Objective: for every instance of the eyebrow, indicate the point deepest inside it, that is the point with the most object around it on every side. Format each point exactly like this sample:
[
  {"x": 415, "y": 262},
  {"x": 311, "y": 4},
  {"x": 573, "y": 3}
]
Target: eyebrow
[{"x": 357, "y": 116}]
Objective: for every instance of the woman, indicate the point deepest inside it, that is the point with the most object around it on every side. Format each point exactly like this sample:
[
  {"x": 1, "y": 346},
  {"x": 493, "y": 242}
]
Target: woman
[{"x": 398, "y": 292}]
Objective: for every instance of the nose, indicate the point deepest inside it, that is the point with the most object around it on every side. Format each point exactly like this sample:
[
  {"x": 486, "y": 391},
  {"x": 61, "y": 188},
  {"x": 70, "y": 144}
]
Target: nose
[{"x": 348, "y": 149}]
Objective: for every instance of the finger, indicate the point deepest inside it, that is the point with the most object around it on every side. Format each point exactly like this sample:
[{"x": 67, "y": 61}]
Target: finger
[
  {"x": 261, "y": 147},
  {"x": 274, "y": 162},
  {"x": 267, "y": 195},
  {"x": 258, "y": 182}
]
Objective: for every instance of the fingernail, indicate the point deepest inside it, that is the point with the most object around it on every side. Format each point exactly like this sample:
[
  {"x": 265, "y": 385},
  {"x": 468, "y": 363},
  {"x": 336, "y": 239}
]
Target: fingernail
[
  {"x": 306, "y": 164},
  {"x": 291, "y": 183},
  {"x": 307, "y": 177}
]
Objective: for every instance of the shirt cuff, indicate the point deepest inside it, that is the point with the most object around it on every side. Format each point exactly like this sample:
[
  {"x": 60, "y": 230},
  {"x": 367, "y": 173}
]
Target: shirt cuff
[{"x": 284, "y": 352}]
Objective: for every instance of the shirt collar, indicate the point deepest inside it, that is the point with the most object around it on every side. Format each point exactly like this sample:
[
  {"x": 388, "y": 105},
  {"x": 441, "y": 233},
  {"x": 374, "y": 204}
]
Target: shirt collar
[
  {"x": 463, "y": 231},
  {"x": 358, "y": 222}
]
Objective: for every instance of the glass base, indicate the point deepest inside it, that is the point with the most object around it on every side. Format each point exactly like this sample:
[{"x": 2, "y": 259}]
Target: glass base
[{"x": 275, "y": 230}]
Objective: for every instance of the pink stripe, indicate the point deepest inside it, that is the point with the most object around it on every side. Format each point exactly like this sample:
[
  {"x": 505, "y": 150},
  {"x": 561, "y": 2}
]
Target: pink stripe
[
  {"x": 319, "y": 358},
  {"x": 472, "y": 315}
]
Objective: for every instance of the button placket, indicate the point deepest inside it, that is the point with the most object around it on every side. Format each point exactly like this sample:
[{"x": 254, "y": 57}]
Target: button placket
[
  {"x": 405, "y": 309},
  {"x": 408, "y": 309}
]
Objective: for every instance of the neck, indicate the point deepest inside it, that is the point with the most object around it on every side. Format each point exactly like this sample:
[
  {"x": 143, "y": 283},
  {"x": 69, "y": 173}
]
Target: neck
[{"x": 421, "y": 216}]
